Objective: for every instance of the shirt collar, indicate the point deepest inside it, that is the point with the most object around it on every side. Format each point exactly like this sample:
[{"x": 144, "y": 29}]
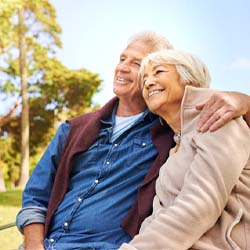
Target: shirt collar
[{"x": 111, "y": 120}]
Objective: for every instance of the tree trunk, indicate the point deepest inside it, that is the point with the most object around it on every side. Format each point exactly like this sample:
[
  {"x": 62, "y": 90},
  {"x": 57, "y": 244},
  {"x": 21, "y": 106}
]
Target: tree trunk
[
  {"x": 2, "y": 183},
  {"x": 24, "y": 176}
]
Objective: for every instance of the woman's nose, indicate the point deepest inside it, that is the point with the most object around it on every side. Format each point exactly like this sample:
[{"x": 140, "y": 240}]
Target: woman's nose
[{"x": 149, "y": 82}]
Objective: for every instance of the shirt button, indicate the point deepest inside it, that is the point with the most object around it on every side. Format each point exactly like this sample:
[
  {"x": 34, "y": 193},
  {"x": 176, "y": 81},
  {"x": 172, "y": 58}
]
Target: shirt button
[
  {"x": 96, "y": 181},
  {"x": 66, "y": 224},
  {"x": 143, "y": 144},
  {"x": 107, "y": 162},
  {"x": 79, "y": 199},
  {"x": 51, "y": 240},
  {"x": 115, "y": 144}
]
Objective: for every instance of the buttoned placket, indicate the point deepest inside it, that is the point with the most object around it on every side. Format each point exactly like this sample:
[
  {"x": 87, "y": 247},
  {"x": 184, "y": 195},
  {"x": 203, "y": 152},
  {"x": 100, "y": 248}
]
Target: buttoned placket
[
  {"x": 104, "y": 168},
  {"x": 66, "y": 223},
  {"x": 105, "y": 136},
  {"x": 49, "y": 244}
]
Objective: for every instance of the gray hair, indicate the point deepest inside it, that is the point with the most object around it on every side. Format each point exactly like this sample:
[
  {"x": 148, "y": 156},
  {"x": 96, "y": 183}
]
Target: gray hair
[
  {"x": 153, "y": 40},
  {"x": 189, "y": 67}
]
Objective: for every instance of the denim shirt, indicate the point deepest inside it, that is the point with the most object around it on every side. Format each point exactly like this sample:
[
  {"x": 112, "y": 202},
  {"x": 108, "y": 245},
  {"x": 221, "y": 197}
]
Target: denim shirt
[{"x": 103, "y": 185}]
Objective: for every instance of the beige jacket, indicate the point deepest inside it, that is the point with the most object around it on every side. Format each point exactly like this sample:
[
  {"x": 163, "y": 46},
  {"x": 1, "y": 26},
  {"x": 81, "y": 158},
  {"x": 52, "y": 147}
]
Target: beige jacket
[{"x": 203, "y": 191}]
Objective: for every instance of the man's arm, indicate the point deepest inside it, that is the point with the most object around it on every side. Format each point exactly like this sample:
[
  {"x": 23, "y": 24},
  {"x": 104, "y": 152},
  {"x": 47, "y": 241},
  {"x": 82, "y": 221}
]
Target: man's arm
[
  {"x": 31, "y": 218},
  {"x": 221, "y": 108},
  {"x": 34, "y": 236}
]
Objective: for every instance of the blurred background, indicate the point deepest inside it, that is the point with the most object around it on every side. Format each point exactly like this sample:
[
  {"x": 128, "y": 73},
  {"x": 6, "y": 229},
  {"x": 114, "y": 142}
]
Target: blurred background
[
  {"x": 95, "y": 32},
  {"x": 57, "y": 60}
]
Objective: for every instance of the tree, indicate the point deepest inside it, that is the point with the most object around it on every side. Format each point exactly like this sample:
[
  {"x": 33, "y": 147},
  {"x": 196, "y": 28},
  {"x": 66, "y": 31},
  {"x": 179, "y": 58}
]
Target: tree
[
  {"x": 3, "y": 121},
  {"x": 29, "y": 20},
  {"x": 29, "y": 39},
  {"x": 9, "y": 116},
  {"x": 9, "y": 163},
  {"x": 25, "y": 103}
]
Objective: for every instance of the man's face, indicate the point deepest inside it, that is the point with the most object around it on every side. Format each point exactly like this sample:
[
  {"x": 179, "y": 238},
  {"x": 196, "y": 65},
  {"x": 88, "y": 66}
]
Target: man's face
[{"x": 126, "y": 72}]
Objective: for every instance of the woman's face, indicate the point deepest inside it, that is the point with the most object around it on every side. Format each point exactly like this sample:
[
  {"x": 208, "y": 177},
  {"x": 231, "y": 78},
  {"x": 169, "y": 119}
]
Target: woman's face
[{"x": 162, "y": 89}]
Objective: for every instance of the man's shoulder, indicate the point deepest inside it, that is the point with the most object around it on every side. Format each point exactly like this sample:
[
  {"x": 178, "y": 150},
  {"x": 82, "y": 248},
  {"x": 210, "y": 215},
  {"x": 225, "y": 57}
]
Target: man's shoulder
[
  {"x": 82, "y": 117},
  {"x": 97, "y": 114}
]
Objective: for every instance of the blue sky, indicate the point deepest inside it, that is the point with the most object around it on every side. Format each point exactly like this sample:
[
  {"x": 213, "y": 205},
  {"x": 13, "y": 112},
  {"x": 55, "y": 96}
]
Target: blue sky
[{"x": 94, "y": 32}]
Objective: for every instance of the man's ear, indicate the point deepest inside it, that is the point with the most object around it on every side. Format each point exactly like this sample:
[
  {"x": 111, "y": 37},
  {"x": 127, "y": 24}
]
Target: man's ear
[{"x": 139, "y": 81}]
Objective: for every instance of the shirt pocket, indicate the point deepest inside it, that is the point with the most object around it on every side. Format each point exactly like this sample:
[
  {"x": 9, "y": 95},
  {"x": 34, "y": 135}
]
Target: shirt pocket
[
  {"x": 141, "y": 152},
  {"x": 86, "y": 159}
]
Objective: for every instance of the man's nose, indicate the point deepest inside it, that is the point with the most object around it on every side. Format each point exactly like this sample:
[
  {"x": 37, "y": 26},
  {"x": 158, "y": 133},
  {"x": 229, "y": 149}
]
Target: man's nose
[{"x": 123, "y": 66}]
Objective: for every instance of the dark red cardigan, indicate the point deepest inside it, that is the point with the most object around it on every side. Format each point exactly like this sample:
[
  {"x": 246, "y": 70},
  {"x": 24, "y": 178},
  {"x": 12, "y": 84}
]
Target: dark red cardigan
[{"x": 83, "y": 132}]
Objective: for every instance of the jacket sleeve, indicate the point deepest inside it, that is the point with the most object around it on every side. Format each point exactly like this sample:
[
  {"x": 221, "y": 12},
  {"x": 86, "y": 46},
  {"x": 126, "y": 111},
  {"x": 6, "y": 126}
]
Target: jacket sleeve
[
  {"x": 37, "y": 191},
  {"x": 219, "y": 159}
]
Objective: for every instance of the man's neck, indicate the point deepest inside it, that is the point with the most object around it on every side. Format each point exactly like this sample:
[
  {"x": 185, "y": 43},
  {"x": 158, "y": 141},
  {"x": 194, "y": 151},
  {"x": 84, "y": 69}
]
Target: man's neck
[{"x": 130, "y": 108}]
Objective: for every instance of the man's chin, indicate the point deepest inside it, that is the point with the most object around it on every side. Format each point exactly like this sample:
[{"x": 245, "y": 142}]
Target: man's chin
[{"x": 118, "y": 91}]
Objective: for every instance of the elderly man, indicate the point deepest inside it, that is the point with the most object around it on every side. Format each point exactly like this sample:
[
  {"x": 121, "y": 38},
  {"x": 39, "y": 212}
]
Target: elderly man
[{"x": 95, "y": 183}]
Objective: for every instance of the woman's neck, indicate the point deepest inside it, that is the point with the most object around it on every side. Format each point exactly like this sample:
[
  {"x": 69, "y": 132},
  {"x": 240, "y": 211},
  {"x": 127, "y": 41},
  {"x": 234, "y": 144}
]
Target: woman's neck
[{"x": 173, "y": 118}]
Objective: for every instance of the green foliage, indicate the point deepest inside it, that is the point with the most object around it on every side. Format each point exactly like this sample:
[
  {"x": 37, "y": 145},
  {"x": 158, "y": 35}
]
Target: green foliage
[
  {"x": 54, "y": 90},
  {"x": 67, "y": 89},
  {"x": 9, "y": 161}
]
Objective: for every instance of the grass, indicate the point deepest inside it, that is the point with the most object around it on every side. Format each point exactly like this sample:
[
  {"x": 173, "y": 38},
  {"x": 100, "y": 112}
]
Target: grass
[
  {"x": 10, "y": 203},
  {"x": 11, "y": 198}
]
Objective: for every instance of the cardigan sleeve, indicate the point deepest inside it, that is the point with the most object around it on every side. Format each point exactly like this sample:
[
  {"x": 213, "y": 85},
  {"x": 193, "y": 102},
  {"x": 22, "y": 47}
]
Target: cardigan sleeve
[{"x": 218, "y": 161}]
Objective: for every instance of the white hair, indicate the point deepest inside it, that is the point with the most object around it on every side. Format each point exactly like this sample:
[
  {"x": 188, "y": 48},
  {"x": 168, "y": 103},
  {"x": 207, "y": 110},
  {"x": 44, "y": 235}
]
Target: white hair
[
  {"x": 190, "y": 68},
  {"x": 153, "y": 40}
]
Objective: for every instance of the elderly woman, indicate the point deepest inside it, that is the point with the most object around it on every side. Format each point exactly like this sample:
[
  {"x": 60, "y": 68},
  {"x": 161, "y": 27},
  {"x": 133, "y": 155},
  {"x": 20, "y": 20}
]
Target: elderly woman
[{"x": 202, "y": 196}]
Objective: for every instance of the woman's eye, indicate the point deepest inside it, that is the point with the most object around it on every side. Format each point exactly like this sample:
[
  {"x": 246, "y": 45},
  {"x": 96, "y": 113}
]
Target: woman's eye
[{"x": 159, "y": 71}]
